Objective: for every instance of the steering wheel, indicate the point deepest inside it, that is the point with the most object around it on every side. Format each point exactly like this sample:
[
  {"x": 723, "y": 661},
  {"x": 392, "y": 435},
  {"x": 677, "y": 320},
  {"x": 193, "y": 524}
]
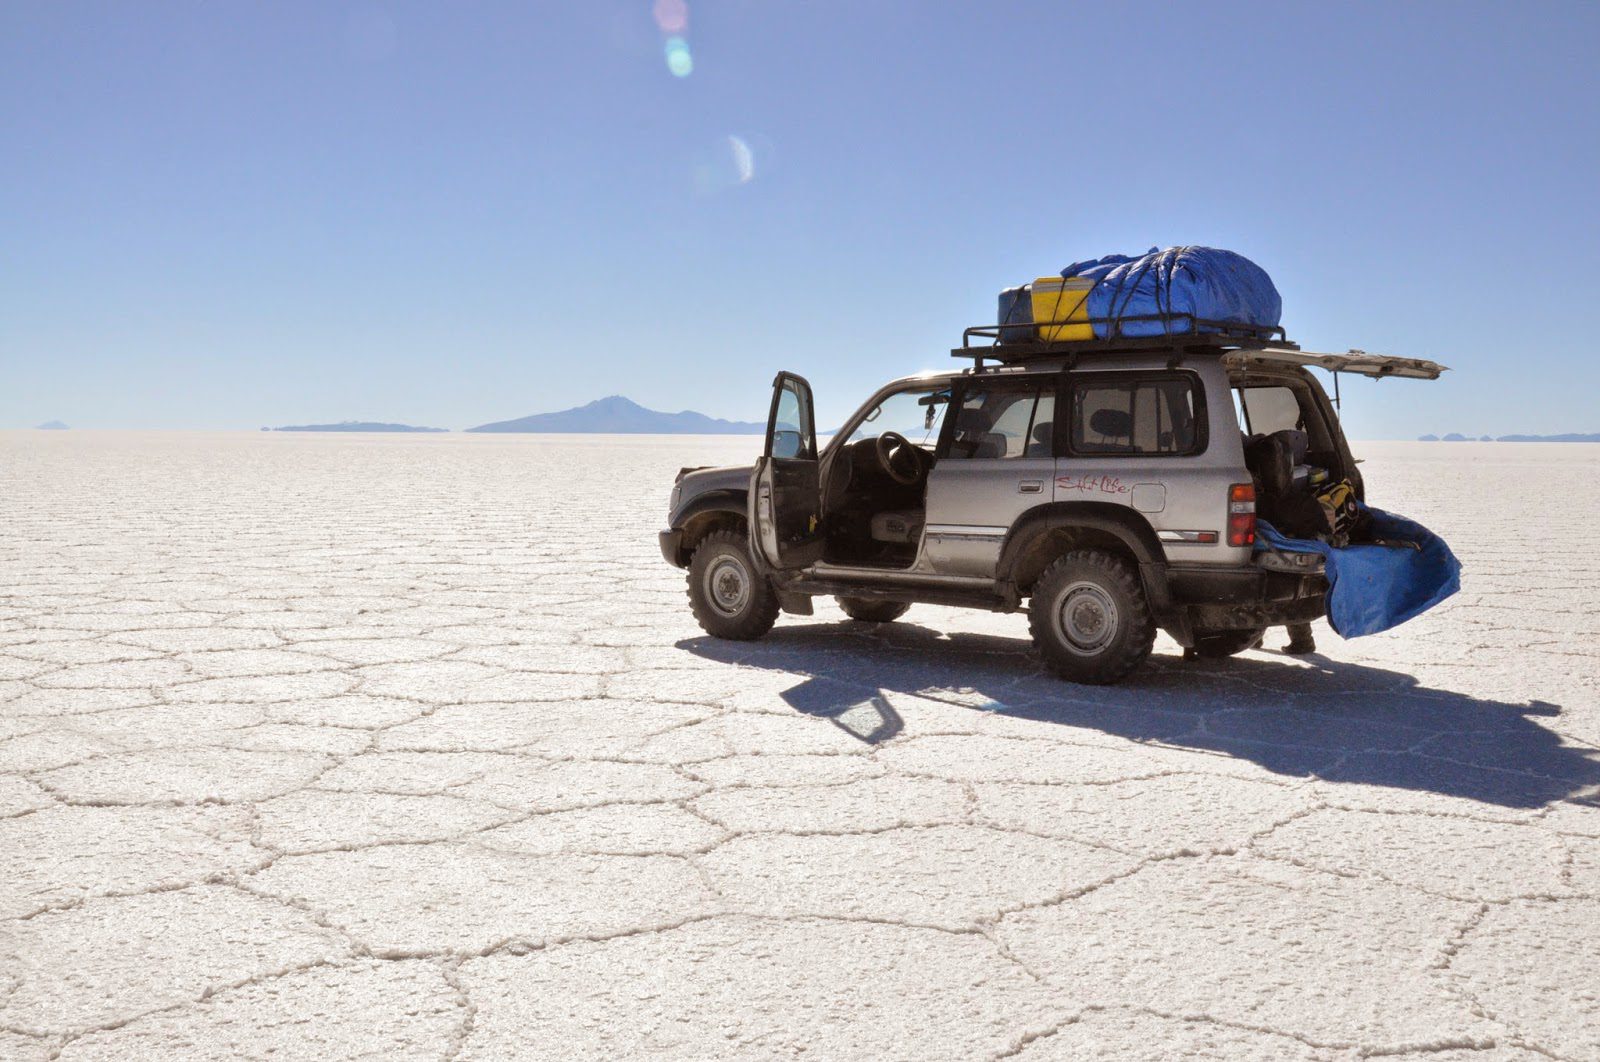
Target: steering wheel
[{"x": 900, "y": 460}]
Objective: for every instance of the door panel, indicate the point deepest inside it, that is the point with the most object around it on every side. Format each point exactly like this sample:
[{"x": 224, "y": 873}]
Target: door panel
[
  {"x": 785, "y": 498},
  {"x": 997, "y": 464},
  {"x": 973, "y": 503}
]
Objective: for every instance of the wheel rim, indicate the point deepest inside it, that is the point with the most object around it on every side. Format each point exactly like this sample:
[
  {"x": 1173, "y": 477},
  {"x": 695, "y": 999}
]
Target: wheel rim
[
  {"x": 727, "y": 585},
  {"x": 1086, "y": 619}
]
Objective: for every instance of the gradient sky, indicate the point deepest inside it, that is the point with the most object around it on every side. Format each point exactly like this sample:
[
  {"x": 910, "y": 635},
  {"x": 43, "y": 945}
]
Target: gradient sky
[{"x": 225, "y": 214}]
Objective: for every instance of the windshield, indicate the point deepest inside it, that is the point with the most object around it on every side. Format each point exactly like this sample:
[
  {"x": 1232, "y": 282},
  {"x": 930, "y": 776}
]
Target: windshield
[{"x": 917, "y": 413}]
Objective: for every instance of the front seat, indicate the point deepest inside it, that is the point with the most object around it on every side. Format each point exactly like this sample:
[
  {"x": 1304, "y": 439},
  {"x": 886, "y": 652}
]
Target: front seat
[
  {"x": 973, "y": 437},
  {"x": 1044, "y": 439},
  {"x": 898, "y": 526}
]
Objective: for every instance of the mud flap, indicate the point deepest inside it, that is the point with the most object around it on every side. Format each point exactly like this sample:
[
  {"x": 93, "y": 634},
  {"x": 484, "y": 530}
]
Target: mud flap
[
  {"x": 795, "y": 604},
  {"x": 1168, "y": 615}
]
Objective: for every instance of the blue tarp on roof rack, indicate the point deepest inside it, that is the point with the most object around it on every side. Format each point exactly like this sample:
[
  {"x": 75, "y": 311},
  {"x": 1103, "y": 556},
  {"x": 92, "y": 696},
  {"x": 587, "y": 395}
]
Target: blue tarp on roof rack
[{"x": 1196, "y": 282}]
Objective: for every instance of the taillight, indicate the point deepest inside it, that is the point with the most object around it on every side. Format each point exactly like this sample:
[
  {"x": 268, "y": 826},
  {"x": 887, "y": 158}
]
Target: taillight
[{"x": 1242, "y": 514}]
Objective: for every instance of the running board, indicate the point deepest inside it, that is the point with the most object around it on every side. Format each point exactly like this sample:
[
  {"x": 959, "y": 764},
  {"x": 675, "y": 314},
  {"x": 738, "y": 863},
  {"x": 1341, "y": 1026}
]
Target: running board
[{"x": 909, "y": 593}]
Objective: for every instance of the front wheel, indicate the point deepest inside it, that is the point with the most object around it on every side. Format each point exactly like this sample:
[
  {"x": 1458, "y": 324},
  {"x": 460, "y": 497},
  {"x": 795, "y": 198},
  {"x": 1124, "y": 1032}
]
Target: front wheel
[
  {"x": 1089, "y": 618},
  {"x": 728, "y": 597},
  {"x": 872, "y": 611}
]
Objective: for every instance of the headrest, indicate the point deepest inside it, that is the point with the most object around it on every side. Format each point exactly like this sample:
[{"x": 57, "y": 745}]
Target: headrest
[
  {"x": 972, "y": 421},
  {"x": 1296, "y": 442},
  {"x": 1270, "y": 459},
  {"x": 1044, "y": 433},
  {"x": 1112, "y": 423}
]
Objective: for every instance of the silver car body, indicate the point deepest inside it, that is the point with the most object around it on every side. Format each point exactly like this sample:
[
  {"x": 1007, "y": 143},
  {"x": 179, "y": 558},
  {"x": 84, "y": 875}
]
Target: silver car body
[
  {"x": 974, "y": 503},
  {"x": 1174, "y": 508}
]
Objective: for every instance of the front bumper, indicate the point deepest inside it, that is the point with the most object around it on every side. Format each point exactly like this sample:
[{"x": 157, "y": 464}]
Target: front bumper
[{"x": 669, "y": 547}]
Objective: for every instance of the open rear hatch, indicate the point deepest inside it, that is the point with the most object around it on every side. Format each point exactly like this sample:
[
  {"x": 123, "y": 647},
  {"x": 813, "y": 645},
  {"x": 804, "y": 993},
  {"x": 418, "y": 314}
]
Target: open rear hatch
[{"x": 1356, "y": 361}]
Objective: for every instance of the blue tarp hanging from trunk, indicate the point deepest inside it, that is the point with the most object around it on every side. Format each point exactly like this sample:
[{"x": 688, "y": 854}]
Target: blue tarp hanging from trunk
[{"x": 1372, "y": 588}]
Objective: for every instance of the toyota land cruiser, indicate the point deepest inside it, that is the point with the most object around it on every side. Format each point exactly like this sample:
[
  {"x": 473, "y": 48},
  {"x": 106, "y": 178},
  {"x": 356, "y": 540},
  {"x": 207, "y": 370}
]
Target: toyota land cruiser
[{"x": 1102, "y": 482}]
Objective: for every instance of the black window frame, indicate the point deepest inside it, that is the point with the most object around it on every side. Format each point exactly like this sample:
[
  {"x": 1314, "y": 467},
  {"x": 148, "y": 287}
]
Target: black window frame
[
  {"x": 1066, "y": 411},
  {"x": 803, "y": 398}
]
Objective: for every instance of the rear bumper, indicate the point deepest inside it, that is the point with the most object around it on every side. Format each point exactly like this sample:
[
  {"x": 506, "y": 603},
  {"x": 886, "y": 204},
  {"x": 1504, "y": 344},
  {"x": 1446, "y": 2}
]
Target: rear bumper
[
  {"x": 1249, "y": 596},
  {"x": 669, "y": 547},
  {"x": 1240, "y": 586}
]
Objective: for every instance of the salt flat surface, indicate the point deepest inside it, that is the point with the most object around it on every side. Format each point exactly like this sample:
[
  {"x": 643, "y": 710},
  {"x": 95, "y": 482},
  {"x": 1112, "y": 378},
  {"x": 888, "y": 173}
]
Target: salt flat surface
[{"x": 407, "y": 746}]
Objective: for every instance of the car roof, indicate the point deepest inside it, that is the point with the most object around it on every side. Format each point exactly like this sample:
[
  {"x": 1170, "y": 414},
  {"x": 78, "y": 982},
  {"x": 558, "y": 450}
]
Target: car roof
[{"x": 1132, "y": 361}]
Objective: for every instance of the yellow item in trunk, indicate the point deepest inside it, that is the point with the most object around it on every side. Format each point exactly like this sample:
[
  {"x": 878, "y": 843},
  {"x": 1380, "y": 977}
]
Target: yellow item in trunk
[{"x": 1061, "y": 308}]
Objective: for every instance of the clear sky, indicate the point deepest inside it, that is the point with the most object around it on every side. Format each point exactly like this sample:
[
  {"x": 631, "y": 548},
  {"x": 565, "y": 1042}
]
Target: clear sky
[{"x": 227, "y": 214}]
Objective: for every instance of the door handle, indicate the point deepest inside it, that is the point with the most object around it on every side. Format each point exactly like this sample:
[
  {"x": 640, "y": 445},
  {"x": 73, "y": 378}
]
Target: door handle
[{"x": 1030, "y": 486}]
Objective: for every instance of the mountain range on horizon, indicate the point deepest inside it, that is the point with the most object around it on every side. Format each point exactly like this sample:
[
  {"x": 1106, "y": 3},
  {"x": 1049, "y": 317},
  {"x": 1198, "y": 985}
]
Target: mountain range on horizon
[
  {"x": 620, "y": 415},
  {"x": 1571, "y": 436},
  {"x": 617, "y": 415},
  {"x": 355, "y": 425}
]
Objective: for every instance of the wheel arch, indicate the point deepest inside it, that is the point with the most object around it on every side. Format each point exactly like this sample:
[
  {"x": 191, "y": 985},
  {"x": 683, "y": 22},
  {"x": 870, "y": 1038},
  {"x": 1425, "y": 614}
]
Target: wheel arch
[
  {"x": 705, "y": 514},
  {"x": 1044, "y": 533}
]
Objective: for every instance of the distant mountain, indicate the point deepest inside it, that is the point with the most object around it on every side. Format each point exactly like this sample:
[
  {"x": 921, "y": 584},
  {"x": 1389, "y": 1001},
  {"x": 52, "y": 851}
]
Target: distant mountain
[
  {"x": 616, "y": 415},
  {"x": 1578, "y": 437},
  {"x": 52, "y": 425},
  {"x": 353, "y": 425}
]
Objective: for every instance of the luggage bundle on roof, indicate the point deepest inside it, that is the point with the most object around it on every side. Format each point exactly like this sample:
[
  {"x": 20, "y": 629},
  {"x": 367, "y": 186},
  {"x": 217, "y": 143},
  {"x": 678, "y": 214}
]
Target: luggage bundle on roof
[
  {"x": 1182, "y": 297},
  {"x": 1181, "y": 290}
]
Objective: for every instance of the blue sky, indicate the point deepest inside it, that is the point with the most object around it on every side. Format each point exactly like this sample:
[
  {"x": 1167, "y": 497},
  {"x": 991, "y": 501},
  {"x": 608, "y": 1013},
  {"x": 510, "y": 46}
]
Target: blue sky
[{"x": 224, "y": 215}]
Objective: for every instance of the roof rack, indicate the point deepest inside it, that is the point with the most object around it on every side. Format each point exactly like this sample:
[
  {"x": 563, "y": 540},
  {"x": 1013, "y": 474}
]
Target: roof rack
[{"x": 1181, "y": 331}]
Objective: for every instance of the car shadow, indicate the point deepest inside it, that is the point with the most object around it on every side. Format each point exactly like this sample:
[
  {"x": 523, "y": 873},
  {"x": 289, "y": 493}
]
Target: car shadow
[{"x": 1301, "y": 716}]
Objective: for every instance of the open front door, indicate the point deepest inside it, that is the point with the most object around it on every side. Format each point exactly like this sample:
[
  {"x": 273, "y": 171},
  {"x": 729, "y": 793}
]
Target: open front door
[{"x": 785, "y": 497}]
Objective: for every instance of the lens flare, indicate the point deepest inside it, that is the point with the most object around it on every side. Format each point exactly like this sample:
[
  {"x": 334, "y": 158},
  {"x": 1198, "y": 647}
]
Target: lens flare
[
  {"x": 678, "y": 60},
  {"x": 672, "y": 16},
  {"x": 744, "y": 160}
]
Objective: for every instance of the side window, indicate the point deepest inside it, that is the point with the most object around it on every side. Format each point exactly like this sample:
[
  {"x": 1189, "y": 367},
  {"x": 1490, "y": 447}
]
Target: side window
[
  {"x": 790, "y": 426},
  {"x": 1275, "y": 408},
  {"x": 1007, "y": 421},
  {"x": 1135, "y": 416},
  {"x": 1041, "y": 437},
  {"x": 1270, "y": 409}
]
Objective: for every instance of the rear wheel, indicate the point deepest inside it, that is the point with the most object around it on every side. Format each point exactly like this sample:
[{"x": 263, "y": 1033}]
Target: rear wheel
[
  {"x": 1214, "y": 645},
  {"x": 872, "y": 611},
  {"x": 1089, "y": 618},
  {"x": 728, "y": 597}
]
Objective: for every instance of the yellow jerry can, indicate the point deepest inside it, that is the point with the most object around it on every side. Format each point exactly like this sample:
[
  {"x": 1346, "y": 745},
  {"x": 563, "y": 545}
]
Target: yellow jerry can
[{"x": 1061, "y": 308}]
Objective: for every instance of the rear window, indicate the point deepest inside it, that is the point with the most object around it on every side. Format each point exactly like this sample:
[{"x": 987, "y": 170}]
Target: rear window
[
  {"x": 1277, "y": 407},
  {"x": 1271, "y": 409},
  {"x": 1136, "y": 415}
]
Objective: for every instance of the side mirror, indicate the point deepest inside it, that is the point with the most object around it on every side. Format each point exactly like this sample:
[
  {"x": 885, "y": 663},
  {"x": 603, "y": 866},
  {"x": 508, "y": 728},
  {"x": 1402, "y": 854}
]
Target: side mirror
[{"x": 785, "y": 443}]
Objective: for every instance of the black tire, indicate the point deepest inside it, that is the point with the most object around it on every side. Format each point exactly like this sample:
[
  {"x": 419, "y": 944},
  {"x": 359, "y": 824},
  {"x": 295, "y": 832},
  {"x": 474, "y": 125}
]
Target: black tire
[
  {"x": 872, "y": 611},
  {"x": 1215, "y": 645},
  {"x": 1089, "y": 618},
  {"x": 728, "y": 597}
]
